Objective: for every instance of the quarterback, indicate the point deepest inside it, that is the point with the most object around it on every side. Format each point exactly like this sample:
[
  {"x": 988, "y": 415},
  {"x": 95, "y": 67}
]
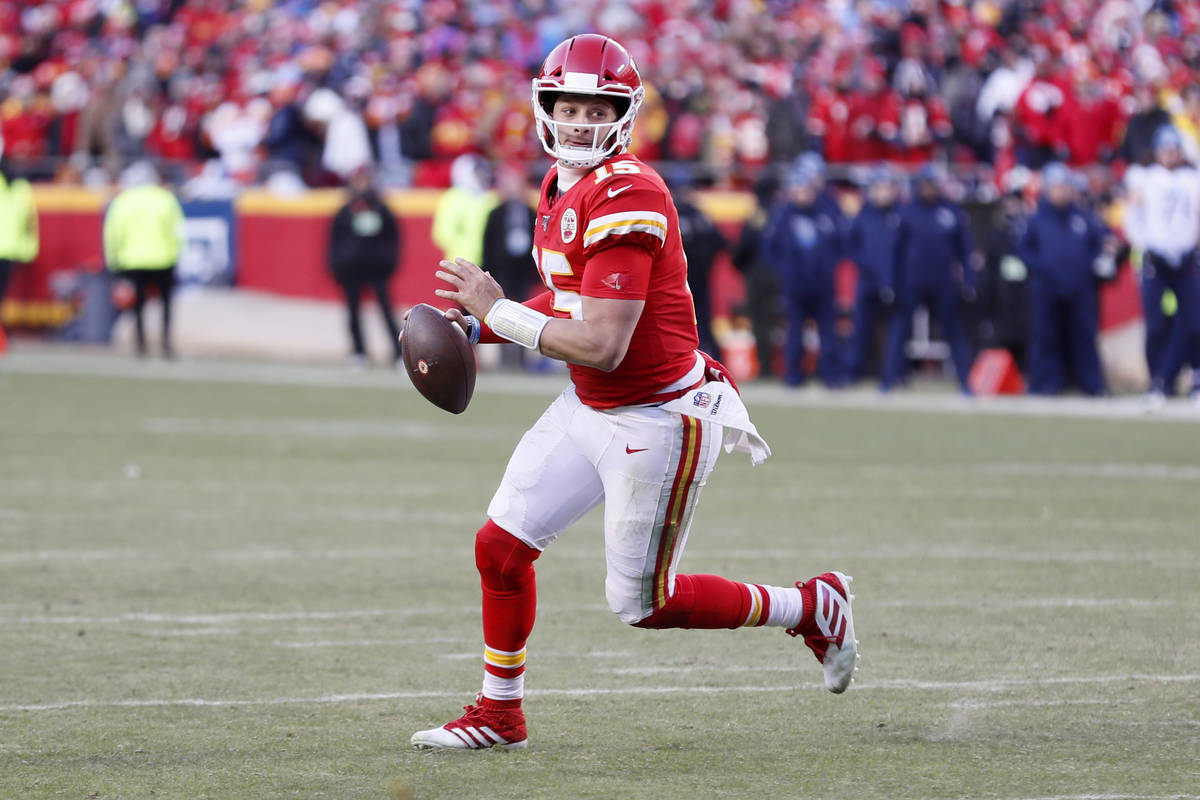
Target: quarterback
[{"x": 644, "y": 418}]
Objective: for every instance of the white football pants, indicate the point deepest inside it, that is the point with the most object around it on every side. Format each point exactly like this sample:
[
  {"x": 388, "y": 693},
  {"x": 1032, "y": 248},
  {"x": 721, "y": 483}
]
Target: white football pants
[{"x": 646, "y": 464}]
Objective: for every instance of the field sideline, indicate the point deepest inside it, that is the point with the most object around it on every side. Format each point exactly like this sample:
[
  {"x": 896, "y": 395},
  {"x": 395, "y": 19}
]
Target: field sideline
[{"x": 236, "y": 580}]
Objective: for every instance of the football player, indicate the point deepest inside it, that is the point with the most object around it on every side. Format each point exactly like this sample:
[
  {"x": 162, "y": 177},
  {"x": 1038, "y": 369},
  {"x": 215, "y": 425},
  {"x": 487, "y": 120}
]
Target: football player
[
  {"x": 643, "y": 420},
  {"x": 1163, "y": 222}
]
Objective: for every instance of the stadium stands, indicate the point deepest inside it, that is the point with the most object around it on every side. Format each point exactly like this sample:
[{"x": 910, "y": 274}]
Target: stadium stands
[{"x": 87, "y": 86}]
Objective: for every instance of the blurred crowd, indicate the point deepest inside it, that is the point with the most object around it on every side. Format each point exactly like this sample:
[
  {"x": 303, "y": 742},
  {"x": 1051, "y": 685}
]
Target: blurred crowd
[{"x": 304, "y": 92}]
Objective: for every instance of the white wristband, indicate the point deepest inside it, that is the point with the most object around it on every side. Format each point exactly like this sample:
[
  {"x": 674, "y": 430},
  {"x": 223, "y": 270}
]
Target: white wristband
[{"x": 516, "y": 322}]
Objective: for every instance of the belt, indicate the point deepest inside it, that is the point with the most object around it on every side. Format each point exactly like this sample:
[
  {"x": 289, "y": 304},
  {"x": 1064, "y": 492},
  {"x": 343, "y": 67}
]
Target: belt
[{"x": 674, "y": 394}]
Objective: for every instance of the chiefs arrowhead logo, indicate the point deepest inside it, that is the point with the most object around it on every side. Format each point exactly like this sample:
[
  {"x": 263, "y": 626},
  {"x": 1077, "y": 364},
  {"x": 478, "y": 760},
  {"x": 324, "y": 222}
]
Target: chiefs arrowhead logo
[{"x": 617, "y": 281}]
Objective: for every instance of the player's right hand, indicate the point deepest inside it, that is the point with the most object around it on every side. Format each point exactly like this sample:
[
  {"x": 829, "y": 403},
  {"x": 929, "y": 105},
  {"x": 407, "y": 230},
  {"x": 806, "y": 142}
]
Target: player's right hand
[{"x": 470, "y": 286}]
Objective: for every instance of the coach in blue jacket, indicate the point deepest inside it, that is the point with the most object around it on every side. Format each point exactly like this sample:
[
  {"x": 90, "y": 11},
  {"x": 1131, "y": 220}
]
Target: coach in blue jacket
[
  {"x": 932, "y": 269},
  {"x": 801, "y": 243},
  {"x": 1061, "y": 245},
  {"x": 871, "y": 245}
]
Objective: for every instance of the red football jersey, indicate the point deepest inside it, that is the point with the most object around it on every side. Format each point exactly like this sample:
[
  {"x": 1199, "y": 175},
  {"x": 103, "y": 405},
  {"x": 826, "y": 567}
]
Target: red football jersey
[{"x": 621, "y": 203}]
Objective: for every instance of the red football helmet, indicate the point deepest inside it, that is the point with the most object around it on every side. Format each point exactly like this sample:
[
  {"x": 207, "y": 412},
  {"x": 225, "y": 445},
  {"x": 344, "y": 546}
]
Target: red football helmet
[{"x": 588, "y": 64}]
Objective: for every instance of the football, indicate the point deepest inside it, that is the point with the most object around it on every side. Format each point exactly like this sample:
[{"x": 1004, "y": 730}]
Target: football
[{"x": 439, "y": 360}]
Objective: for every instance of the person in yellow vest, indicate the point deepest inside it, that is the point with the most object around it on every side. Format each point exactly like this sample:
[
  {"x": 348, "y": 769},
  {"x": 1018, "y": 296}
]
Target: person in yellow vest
[
  {"x": 18, "y": 224},
  {"x": 462, "y": 212},
  {"x": 143, "y": 234}
]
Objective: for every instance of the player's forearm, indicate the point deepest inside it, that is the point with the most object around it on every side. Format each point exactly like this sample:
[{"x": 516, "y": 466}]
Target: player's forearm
[
  {"x": 588, "y": 344},
  {"x": 599, "y": 338}
]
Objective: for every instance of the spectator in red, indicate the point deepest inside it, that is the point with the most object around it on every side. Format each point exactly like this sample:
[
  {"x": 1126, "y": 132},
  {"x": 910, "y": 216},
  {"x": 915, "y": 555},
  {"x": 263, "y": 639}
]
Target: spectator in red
[
  {"x": 1090, "y": 120},
  {"x": 173, "y": 136},
  {"x": 25, "y": 120},
  {"x": 829, "y": 117},
  {"x": 866, "y": 110},
  {"x": 914, "y": 120},
  {"x": 750, "y": 132},
  {"x": 1039, "y": 115}
]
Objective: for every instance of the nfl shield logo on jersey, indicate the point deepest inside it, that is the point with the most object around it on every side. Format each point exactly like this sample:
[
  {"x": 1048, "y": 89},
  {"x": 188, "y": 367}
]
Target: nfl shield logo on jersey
[
  {"x": 570, "y": 224},
  {"x": 702, "y": 399}
]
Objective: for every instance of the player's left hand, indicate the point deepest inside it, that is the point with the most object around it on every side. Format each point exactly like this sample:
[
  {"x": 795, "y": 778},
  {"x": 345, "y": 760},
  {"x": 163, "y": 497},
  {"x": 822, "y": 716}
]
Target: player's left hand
[
  {"x": 474, "y": 289},
  {"x": 716, "y": 371}
]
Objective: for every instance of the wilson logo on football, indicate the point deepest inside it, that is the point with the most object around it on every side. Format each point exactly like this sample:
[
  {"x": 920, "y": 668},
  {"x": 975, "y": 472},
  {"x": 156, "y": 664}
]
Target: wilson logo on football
[
  {"x": 569, "y": 226},
  {"x": 423, "y": 367}
]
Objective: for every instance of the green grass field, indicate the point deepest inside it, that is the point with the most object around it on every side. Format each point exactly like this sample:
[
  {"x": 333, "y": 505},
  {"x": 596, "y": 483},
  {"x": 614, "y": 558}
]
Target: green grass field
[{"x": 260, "y": 586}]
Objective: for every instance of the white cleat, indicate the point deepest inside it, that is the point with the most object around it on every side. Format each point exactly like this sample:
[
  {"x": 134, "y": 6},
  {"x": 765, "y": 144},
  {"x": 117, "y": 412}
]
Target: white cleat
[{"x": 830, "y": 633}]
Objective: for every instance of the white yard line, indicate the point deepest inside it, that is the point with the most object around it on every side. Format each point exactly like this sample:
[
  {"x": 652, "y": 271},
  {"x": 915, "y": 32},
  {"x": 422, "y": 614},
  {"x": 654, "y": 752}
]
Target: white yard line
[
  {"x": 1111, "y": 471},
  {"x": 591, "y": 654},
  {"x": 1109, "y": 797},
  {"x": 983, "y": 705},
  {"x": 1000, "y": 603},
  {"x": 244, "y": 485},
  {"x": 1005, "y": 684},
  {"x": 1120, "y": 471},
  {"x": 701, "y": 550},
  {"x": 231, "y": 616},
  {"x": 337, "y": 643},
  {"x": 247, "y": 555},
  {"x": 315, "y": 428},
  {"x": 361, "y": 697},
  {"x": 37, "y": 556}
]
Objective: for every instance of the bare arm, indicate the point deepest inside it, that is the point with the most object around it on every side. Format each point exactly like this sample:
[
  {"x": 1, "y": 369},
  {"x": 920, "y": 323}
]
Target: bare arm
[{"x": 598, "y": 340}]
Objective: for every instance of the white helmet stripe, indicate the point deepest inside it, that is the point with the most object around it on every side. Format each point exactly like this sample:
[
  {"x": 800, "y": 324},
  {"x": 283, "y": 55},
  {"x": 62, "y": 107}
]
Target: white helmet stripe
[{"x": 580, "y": 80}]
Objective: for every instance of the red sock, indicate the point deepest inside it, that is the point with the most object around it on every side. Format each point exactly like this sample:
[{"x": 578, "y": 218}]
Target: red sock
[
  {"x": 507, "y": 577},
  {"x": 808, "y": 591},
  {"x": 703, "y": 601},
  {"x": 498, "y": 705}
]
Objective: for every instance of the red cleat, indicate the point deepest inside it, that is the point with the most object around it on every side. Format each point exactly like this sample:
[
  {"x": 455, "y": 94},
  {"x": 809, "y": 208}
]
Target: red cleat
[{"x": 478, "y": 729}]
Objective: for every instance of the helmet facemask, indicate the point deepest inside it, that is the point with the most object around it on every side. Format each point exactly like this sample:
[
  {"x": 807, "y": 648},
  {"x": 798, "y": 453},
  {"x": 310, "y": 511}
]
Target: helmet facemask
[{"x": 607, "y": 138}]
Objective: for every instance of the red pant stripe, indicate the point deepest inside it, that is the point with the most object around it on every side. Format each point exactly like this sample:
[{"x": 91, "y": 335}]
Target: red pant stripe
[{"x": 681, "y": 488}]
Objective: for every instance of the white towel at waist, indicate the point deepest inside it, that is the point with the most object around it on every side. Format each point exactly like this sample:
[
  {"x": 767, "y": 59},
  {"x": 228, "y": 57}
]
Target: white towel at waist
[{"x": 719, "y": 402}]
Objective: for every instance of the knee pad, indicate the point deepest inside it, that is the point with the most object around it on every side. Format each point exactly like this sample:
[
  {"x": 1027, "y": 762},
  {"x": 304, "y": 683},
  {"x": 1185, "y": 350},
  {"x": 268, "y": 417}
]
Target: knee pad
[
  {"x": 504, "y": 561},
  {"x": 627, "y": 606}
]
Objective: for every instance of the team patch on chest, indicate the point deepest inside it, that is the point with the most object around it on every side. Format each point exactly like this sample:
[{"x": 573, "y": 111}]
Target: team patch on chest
[{"x": 568, "y": 226}]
